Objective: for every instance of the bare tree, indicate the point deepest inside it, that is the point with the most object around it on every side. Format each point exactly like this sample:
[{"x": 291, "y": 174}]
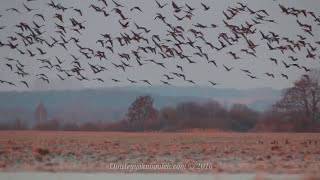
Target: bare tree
[
  {"x": 141, "y": 113},
  {"x": 303, "y": 98}
]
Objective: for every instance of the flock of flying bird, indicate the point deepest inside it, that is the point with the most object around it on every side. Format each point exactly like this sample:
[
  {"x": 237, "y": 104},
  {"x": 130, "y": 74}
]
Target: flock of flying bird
[{"x": 31, "y": 40}]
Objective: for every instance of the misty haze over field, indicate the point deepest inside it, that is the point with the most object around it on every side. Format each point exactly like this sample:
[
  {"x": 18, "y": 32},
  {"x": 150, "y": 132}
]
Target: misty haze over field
[{"x": 112, "y": 103}]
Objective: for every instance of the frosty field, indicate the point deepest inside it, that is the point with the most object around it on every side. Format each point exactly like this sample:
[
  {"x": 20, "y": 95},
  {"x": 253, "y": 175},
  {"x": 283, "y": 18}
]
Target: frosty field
[{"x": 197, "y": 152}]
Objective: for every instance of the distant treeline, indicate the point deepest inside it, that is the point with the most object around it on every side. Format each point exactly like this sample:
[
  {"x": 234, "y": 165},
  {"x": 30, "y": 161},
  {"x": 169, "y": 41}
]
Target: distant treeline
[{"x": 142, "y": 116}]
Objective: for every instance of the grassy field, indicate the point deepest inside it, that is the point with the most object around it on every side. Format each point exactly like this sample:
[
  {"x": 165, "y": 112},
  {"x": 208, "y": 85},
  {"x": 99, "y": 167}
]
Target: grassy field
[{"x": 183, "y": 152}]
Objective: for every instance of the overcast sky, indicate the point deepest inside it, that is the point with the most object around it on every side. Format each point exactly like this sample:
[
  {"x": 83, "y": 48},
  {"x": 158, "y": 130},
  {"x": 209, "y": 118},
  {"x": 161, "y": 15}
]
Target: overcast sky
[{"x": 200, "y": 73}]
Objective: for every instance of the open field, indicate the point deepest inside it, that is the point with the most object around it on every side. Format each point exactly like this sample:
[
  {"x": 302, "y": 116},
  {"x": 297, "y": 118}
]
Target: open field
[{"x": 186, "y": 152}]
